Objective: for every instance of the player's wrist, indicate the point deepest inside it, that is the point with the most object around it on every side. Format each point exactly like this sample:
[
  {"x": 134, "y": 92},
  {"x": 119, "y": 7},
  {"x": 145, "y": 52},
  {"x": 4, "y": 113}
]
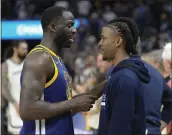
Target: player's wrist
[{"x": 72, "y": 104}]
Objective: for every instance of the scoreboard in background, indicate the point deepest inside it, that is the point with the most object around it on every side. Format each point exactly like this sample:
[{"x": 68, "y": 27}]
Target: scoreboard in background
[{"x": 27, "y": 29}]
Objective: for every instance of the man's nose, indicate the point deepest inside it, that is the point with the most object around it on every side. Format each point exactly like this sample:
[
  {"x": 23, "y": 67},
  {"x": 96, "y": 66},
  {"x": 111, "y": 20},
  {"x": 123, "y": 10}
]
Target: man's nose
[
  {"x": 74, "y": 31},
  {"x": 99, "y": 44}
]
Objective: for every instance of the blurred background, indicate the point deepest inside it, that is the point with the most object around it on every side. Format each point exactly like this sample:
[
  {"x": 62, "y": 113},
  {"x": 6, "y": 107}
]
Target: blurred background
[{"x": 21, "y": 22}]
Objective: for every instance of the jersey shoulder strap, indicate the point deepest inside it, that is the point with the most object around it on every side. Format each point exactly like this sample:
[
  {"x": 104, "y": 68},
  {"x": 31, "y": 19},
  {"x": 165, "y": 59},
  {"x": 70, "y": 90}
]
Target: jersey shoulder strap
[{"x": 54, "y": 74}]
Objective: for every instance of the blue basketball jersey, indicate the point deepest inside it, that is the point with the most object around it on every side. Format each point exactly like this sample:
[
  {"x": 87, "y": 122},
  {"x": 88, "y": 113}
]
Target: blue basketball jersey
[{"x": 56, "y": 90}]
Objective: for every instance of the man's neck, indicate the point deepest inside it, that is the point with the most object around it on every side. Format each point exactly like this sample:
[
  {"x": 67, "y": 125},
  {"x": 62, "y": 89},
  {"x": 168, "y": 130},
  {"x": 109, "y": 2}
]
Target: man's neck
[
  {"x": 16, "y": 59},
  {"x": 120, "y": 55},
  {"x": 48, "y": 41}
]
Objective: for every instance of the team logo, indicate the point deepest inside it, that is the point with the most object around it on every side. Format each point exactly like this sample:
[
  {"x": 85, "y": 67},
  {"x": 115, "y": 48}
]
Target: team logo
[
  {"x": 103, "y": 103},
  {"x": 69, "y": 85}
]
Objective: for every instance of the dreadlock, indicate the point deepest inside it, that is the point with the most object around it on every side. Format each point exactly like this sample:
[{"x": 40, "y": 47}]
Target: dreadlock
[{"x": 129, "y": 30}]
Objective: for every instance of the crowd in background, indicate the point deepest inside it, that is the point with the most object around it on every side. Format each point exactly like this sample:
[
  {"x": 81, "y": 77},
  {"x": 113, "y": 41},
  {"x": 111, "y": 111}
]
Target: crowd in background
[{"x": 83, "y": 60}]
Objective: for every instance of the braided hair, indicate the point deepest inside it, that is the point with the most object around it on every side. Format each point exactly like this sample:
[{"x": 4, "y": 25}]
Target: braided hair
[{"x": 129, "y": 31}]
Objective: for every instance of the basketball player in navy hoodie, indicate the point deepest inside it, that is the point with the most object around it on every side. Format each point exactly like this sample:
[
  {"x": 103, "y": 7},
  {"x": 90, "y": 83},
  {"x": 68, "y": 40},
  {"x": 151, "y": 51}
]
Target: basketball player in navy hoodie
[
  {"x": 126, "y": 115},
  {"x": 123, "y": 110}
]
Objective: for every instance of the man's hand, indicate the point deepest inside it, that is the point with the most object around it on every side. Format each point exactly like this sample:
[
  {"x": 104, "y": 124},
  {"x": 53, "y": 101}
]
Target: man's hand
[
  {"x": 163, "y": 125},
  {"x": 83, "y": 103}
]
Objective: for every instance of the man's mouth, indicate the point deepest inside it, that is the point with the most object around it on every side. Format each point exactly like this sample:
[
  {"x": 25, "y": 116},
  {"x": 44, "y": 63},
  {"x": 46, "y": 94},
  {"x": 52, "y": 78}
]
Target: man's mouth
[{"x": 71, "y": 38}]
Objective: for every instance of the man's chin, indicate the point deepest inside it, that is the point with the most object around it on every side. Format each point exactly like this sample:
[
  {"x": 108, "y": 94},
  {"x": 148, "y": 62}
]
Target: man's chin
[
  {"x": 71, "y": 40},
  {"x": 68, "y": 44},
  {"x": 22, "y": 57},
  {"x": 107, "y": 59}
]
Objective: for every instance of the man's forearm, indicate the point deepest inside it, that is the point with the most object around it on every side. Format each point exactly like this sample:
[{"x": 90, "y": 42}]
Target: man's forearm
[
  {"x": 44, "y": 110},
  {"x": 98, "y": 89}
]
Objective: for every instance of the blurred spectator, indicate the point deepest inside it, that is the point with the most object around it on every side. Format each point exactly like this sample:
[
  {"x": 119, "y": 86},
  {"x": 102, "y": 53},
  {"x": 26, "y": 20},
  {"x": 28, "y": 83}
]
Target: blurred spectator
[
  {"x": 154, "y": 58},
  {"x": 149, "y": 39},
  {"x": 63, "y": 3},
  {"x": 165, "y": 20},
  {"x": 167, "y": 61},
  {"x": 103, "y": 66},
  {"x": 11, "y": 71},
  {"x": 83, "y": 8},
  {"x": 143, "y": 16},
  {"x": 92, "y": 117},
  {"x": 108, "y": 14}
]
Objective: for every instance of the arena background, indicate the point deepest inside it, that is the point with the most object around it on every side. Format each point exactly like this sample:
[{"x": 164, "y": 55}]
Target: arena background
[{"x": 21, "y": 21}]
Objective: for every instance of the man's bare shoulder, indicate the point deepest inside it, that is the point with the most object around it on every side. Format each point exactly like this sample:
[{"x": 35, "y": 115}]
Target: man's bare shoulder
[{"x": 38, "y": 60}]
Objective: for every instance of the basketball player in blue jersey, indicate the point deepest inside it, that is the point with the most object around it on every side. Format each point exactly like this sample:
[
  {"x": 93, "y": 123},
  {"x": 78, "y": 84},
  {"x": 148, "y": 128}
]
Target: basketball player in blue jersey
[{"x": 46, "y": 102}]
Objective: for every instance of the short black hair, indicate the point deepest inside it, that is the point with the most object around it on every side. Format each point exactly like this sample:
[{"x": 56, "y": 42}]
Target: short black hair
[
  {"x": 50, "y": 14},
  {"x": 128, "y": 28},
  {"x": 16, "y": 43}
]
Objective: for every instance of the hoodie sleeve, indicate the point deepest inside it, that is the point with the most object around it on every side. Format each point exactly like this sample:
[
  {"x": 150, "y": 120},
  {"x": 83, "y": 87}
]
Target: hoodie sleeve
[
  {"x": 167, "y": 103},
  {"x": 121, "y": 97}
]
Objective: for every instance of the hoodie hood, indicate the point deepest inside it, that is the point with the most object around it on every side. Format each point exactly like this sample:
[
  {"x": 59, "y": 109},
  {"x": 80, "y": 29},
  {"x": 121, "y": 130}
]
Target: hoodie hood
[{"x": 137, "y": 66}]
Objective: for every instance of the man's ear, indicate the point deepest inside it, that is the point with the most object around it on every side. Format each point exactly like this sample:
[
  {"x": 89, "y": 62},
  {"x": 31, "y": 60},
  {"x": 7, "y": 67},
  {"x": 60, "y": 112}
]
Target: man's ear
[
  {"x": 52, "y": 27},
  {"x": 119, "y": 41}
]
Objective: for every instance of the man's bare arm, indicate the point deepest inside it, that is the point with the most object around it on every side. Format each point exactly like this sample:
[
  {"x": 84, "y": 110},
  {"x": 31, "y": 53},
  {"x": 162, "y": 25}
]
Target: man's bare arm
[
  {"x": 37, "y": 67},
  {"x": 98, "y": 89},
  {"x": 5, "y": 90}
]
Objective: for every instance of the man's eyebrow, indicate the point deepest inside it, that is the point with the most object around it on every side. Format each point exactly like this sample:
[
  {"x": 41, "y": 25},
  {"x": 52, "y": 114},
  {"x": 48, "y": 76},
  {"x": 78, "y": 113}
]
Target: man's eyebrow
[{"x": 70, "y": 22}]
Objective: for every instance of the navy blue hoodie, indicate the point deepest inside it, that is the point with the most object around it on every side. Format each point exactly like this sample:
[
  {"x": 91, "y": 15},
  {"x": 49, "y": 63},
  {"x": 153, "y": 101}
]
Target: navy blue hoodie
[
  {"x": 156, "y": 93},
  {"x": 123, "y": 110}
]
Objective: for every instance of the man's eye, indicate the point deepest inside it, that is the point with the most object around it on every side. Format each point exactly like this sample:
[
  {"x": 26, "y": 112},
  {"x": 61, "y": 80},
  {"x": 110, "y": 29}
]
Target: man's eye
[{"x": 70, "y": 25}]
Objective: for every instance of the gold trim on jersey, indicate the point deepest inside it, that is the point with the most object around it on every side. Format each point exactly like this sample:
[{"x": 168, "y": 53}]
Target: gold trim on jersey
[
  {"x": 48, "y": 50},
  {"x": 68, "y": 80},
  {"x": 66, "y": 75},
  {"x": 54, "y": 64},
  {"x": 35, "y": 50},
  {"x": 55, "y": 74},
  {"x": 59, "y": 59}
]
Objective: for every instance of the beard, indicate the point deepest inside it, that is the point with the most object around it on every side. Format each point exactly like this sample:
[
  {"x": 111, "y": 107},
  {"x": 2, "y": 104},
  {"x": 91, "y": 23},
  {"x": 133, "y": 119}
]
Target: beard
[
  {"x": 63, "y": 41},
  {"x": 21, "y": 57},
  {"x": 62, "y": 38}
]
